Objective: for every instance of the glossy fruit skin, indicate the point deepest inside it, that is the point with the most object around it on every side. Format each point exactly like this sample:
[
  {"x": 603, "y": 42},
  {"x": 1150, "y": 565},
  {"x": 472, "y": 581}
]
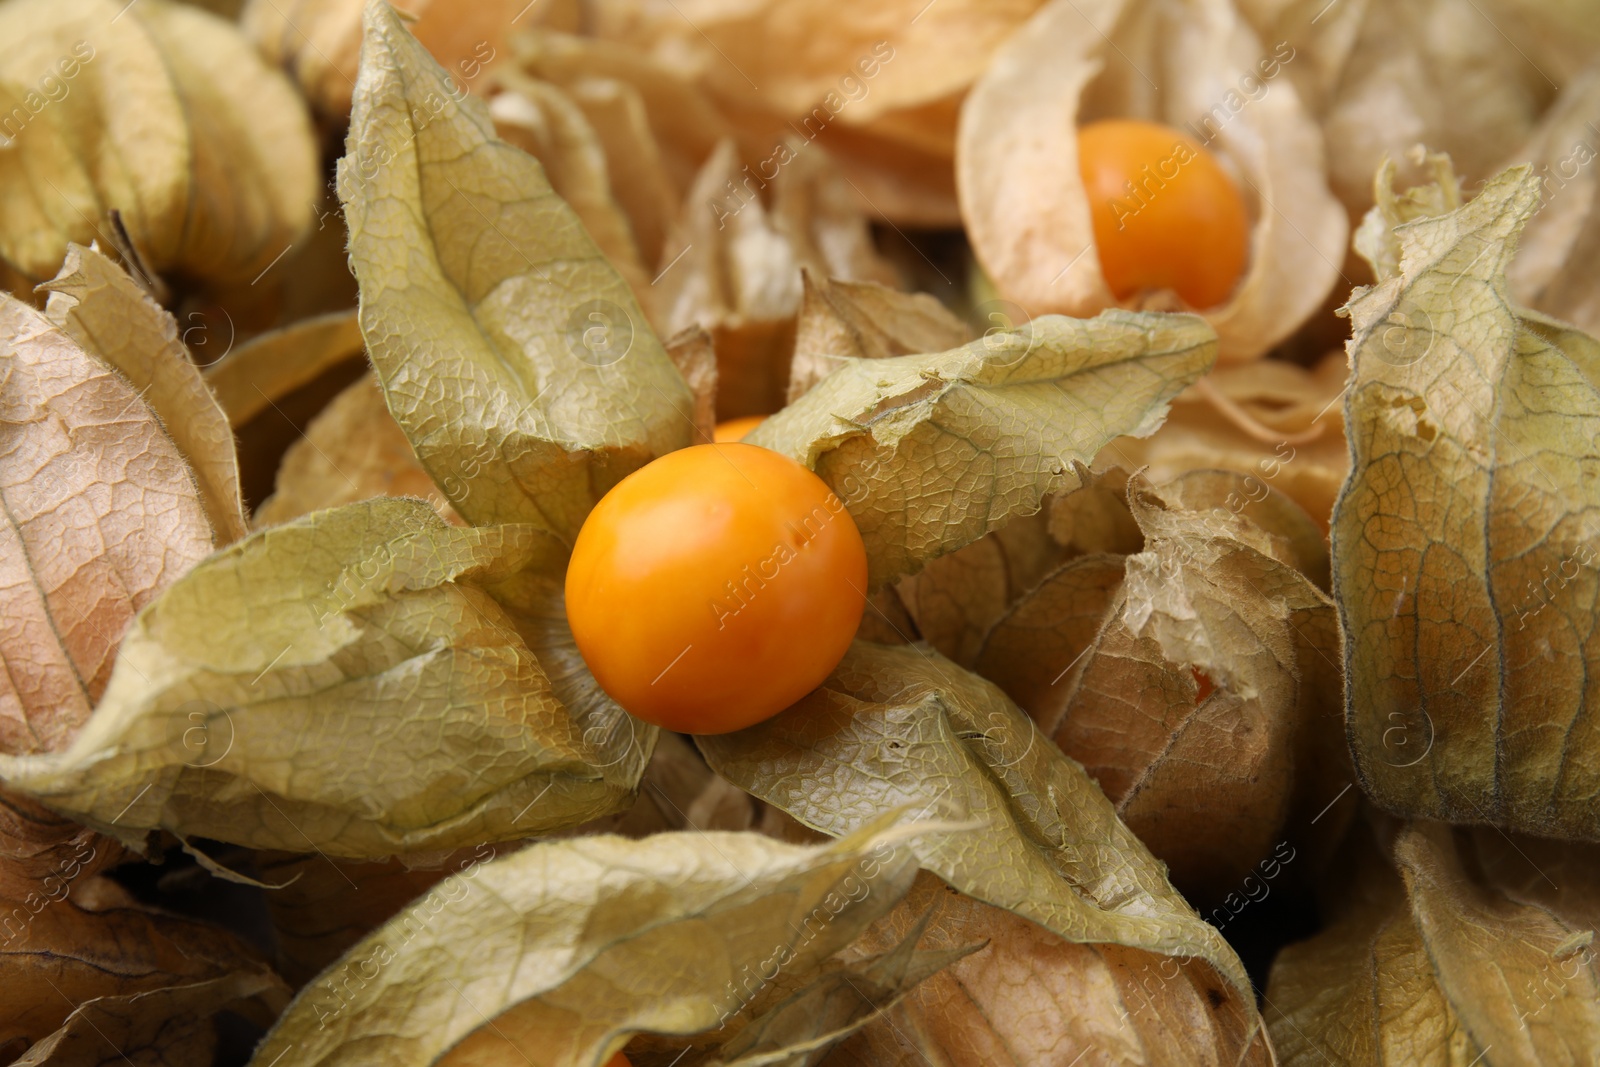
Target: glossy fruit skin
[
  {"x": 1165, "y": 213},
  {"x": 715, "y": 586},
  {"x": 736, "y": 429}
]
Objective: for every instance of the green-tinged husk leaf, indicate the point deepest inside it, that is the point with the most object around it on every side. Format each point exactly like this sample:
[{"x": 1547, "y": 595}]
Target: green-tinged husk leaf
[
  {"x": 344, "y": 683},
  {"x": 101, "y": 308},
  {"x": 898, "y": 726},
  {"x": 565, "y": 949},
  {"x": 1464, "y": 542},
  {"x": 931, "y": 452},
  {"x": 511, "y": 353}
]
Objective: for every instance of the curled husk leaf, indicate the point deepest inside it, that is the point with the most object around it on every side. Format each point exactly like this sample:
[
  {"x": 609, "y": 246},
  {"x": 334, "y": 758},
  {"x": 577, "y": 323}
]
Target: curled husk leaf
[
  {"x": 955, "y": 600},
  {"x": 101, "y": 308},
  {"x": 1031, "y": 999},
  {"x": 695, "y": 356},
  {"x": 102, "y": 515},
  {"x": 1196, "y": 680},
  {"x": 511, "y": 353},
  {"x": 545, "y": 122},
  {"x": 568, "y": 948},
  {"x": 1400, "y": 975},
  {"x": 636, "y": 101},
  {"x": 165, "y": 114},
  {"x": 1017, "y": 158},
  {"x": 902, "y": 727},
  {"x": 931, "y": 452},
  {"x": 247, "y": 698},
  {"x": 1464, "y": 542},
  {"x": 841, "y": 320}
]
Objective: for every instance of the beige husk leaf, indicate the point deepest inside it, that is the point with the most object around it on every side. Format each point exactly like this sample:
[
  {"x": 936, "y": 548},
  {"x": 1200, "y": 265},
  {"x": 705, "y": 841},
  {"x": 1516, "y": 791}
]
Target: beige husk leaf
[
  {"x": 1017, "y": 162},
  {"x": 617, "y": 85},
  {"x": 102, "y": 514},
  {"x": 94, "y": 968},
  {"x": 731, "y": 264},
  {"x": 1279, "y": 424},
  {"x": 568, "y": 948},
  {"x": 319, "y": 41},
  {"x": 100, "y": 307},
  {"x": 956, "y": 598},
  {"x": 546, "y": 123},
  {"x": 797, "y": 50},
  {"x": 1553, "y": 270},
  {"x": 1470, "y": 956},
  {"x": 878, "y": 85},
  {"x": 1463, "y": 543},
  {"x": 169, "y": 117},
  {"x": 695, "y": 356},
  {"x": 841, "y": 320},
  {"x": 272, "y": 365}
]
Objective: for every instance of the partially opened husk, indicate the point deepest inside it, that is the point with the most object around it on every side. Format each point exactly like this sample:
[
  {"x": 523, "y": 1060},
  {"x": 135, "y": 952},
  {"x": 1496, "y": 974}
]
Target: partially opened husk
[{"x": 1024, "y": 205}]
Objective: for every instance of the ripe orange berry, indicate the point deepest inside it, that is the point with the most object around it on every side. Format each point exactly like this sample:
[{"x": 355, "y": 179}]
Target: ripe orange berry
[
  {"x": 715, "y": 586},
  {"x": 1165, "y": 213},
  {"x": 736, "y": 429}
]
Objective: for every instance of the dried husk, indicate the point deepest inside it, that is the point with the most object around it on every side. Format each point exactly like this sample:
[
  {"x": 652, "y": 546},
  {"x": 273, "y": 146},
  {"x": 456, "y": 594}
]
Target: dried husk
[
  {"x": 1017, "y": 164},
  {"x": 170, "y": 118}
]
